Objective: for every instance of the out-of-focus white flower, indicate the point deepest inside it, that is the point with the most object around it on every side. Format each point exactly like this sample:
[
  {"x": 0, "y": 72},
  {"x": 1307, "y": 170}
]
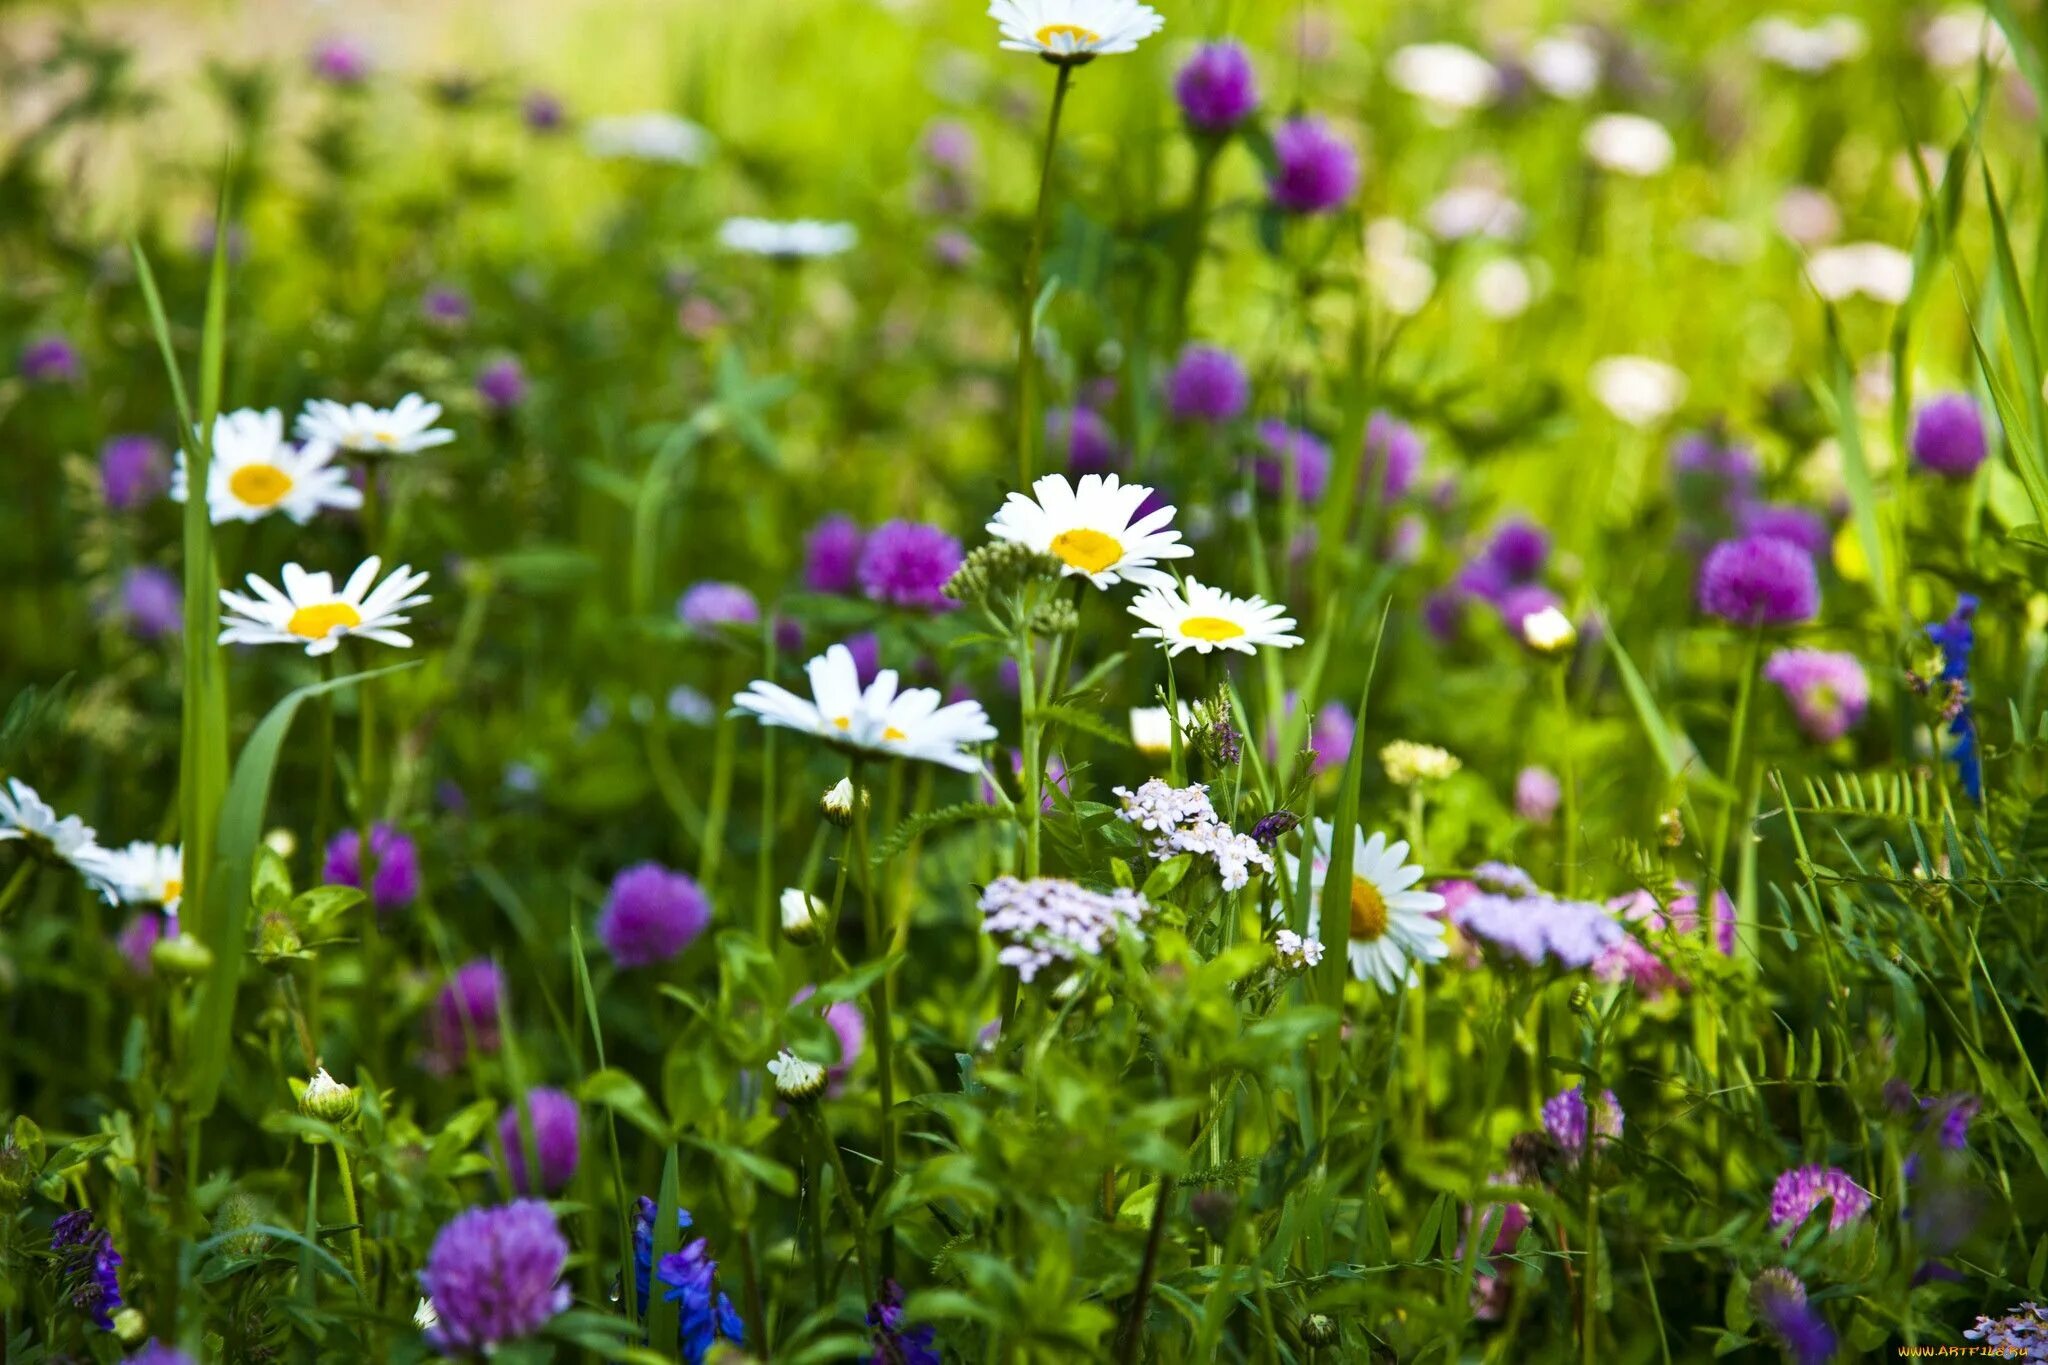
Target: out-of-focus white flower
[
  {"x": 1565, "y": 65},
  {"x": 1872, "y": 269},
  {"x": 359, "y": 428},
  {"x": 1074, "y": 32},
  {"x": 803, "y": 239},
  {"x": 1807, "y": 48},
  {"x": 803, "y": 916},
  {"x": 1502, "y": 288},
  {"x": 1629, "y": 144},
  {"x": 1397, "y": 266},
  {"x": 1933, "y": 164},
  {"x": 1719, "y": 241},
  {"x": 27, "y": 818},
  {"x": 1958, "y": 39},
  {"x": 1549, "y": 631},
  {"x": 1474, "y": 211},
  {"x": 1152, "y": 730},
  {"x": 1640, "y": 391},
  {"x": 1450, "y": 80},
  {"x": 649, "y": 136},
  {"x": 1808, "y": 216},
  {"x": 149, "y": 874}
]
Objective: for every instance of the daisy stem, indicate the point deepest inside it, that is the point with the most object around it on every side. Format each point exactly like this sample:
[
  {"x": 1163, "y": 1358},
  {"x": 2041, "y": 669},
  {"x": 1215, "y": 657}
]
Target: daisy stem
[
  {"x": 1738, "y": 759},
  {"x": 1568, "y": 852},
  {"x": 1027, "y": 318},
  {"x": 882, "y": 1002},
  {"x": 1589, "y": 1297},
  {"x": 355, "y": 1232},
  {"x": 853, "y": 1210},
  {"x": 369, "y": 993},
  {"x": 1206, "y": 151},
  {"x": 16, "y": 884},
  {"x": 721, "y": 801}
]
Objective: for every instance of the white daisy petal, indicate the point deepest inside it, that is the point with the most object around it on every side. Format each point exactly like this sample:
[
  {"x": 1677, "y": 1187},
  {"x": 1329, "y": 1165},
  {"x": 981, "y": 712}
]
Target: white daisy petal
[{"x": 311, "y": 611}]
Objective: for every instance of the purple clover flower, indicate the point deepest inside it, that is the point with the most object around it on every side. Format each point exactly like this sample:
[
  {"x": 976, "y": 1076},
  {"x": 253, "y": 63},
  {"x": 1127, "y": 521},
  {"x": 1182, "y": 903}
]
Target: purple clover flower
[
  {"x": 652, "y": 915},
  {"x": 444, "y": 306},
  {"x": 1288, "y": 450},
  {"x": 1802, "y": 526},
  {"x": 152, "y": 603},
  {"x": 494, "y": 1276},
  {"x": 1710, "y": 472},
  {"x": 1759, "y": 580},
  {"x": 1393, "y": 452},
  {"x": 395, "y": 865},
  {"x": 1537, "y": 795},
  {"x": 133, "y": 471},
  {"x": 1518, "y": 551},
  {"x": 140, "y": 935},
  {"x": 543, "y": 112},
  {"x": 1085, "y": 437},
  {"x": 1216, "y": 88},
  {"x": 1827, "y": 691},
  {"x": 1208, "y": 384},
  {"x": 556, "y": 1140},
  {"x": 502, "y": 384},
  {"x": 469, "y": 1009},
  {"x": 340, "y": 62},
  {"x": 1316, "y": 170},
  {"x": 51, "y": 359},
  {"x": 907, "y": 563},
  {"x": 832, "y": 555},
  {"x": 710, "y": 606},
  {"x": 1948, "y": 436},
  {"x": 1801, "y": 1190},
  {"x": 1574, "y": 1125}
]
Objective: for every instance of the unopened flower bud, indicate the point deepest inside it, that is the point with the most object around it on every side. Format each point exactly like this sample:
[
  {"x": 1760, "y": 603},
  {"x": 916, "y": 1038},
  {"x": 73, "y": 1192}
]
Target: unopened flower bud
[
  {"x": 1318, "y": 1329},
  {"x": 181, "y": 956},
  {"x": 797, "y": 1081},
  {"x": 803, "y": 917},
  {"x": 130, "y": 1326},
  {"x": 1582, "y": 1000},
  {"x": 328, "y": 1100},
  {"x": 1549, "y": 632},
  {"x": 282, "y": 842},
  {"x": 234, "y": 1220},
  {"x": 837, "y": 804}
]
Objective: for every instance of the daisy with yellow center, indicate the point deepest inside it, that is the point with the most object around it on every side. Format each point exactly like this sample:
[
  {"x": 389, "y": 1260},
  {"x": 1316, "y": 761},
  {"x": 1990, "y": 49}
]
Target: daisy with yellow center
[
  {"x": 876, "y": 719},
  {"x": 1392, "y": 924},
  {"x": 1198, "y": 617},
  {"x": 1093, "y": 528},
  {"x": 363, "y": 430},
  {"x": 149, "y": 874},
  {"x": 254, "y": 472},
  {"x": 311, "y": 611},
  {"x": 1072, "y": 32}
]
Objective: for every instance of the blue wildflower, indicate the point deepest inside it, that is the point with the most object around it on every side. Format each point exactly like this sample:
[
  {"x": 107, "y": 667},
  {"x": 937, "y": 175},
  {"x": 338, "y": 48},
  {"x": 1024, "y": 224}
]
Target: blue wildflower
[
  {"x": 689, "y": 1278},
  {"x": 896, "y": 1344},
  {"x": 1957, "y": 638},
  {"x": 90, "y": 1266}
]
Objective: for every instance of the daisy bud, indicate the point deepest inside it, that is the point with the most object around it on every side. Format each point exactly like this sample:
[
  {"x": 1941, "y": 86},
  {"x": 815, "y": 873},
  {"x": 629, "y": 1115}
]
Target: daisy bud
[
  {"x": 836, "y": 805},
  {"x": 803, "y": 917},
  {"x": 328, "y": 1100},
  {"x": 130, "y": 1326},
  {"x": 1549, "y": 632},
  {"x": 1318, "y": 1329},
  {"x": 181, "y": 956},
  {"x": 797, "y": 1082},
  {"x": 282, "y": 842},
  {"x": 237, "y": 1214}
]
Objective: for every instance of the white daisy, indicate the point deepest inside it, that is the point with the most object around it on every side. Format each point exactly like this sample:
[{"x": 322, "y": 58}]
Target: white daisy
[
  {"x": 1872, "y": 269},
  {"x": 358, "y": 427},
  {"x": 149, "y": 874},
  {"x": 1201, "y": 618},
  {"x": 311, "y": 612},
  {"x": 1629, "y": 144},
  {"x": 1807, "y": 49},
  {"x": 1565, "y": 64},
  {"x": 1071, "y": 32},
  {"x": 28, "y": 819},
  {"x": 876, "y": 719},
  {"x": 1089, "y": 528},
  {"x": 1392, "y": 924},
  {"x": 651, "y": 136},
  {"x": 803, "y": 239},
  {"x": 1152, "y": 728},
  {"x": 255, "y": 471},
  {"x": 1449, "y": 79},
  {"x": 1640, "y": 391}
]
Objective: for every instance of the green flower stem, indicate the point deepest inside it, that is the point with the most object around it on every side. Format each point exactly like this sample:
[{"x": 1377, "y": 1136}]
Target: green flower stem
[
  {"x": 1034, "y": 763},
  {"x": 854, "y": 1215},
  {"x": 1589, "y": 1296},
  {"x": 721, "y": 803},
  {"x": 1207, "y": 150},
  {"x": 355, "y": 1218},
  {"x": 24, "y": 873},
  {"x": 1732, "y": 772},
  {"x": 764, "y": 857},
  {"x": 1027, "y": 312},
  {"x": 882, "y": 1001},
  {"x": 370, "y": 991},
  {"x": 1568, "y": 848}
]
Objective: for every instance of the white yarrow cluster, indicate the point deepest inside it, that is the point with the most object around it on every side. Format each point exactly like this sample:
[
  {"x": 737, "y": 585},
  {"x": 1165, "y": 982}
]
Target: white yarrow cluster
[
  {"x": 1186, "y": 822},
  {"x": 1296, "y": 953},
  {"x": 1048, "y": 920}
]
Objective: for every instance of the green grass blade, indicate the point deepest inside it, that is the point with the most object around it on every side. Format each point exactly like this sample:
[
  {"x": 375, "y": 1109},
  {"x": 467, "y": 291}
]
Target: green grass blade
[
  {"x": 1856, "y": 469},
  {"x": 1639, "y": 696},
  {"x": 1333, "y": 924},
  {"x": 664, "y": 1315}
]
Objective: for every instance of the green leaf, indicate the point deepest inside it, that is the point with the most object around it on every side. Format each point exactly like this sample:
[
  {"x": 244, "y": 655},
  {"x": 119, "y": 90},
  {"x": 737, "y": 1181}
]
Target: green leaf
[
  {"x": 322, "y": 903},
  {"x": 764, "y": 1171},
  {"x": 1166, "y": 876},
  {"x": 663, "y": 1313},
  {"x": 615, "y": 1090}
]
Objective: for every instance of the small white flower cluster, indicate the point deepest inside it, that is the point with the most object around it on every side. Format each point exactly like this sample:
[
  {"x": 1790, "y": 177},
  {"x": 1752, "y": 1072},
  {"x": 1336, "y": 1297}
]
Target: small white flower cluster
[
  {"x": 1049, "y": 919},
  {"x": 1295, "y": 952},
  {"x": 1186, "y": 822}
]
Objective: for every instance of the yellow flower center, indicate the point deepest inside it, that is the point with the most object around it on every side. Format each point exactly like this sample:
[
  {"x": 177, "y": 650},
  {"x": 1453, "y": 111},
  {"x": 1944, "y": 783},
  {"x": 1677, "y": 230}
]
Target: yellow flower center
[
  {"x": 1067, "y": 37},
  {"x": 173, "y": 889},
  {"x": 1210, "y": 628},
  {"x": 1368, "y": 910},
  {"x": 319, "y": 622},
  {"x": 1088, "y": 551},
  {"x": 843, "y": 722},
  {"x": 260, "y": 485},
  {"x": 894, "y": 735},
  {"x": 385, "y": 438}
]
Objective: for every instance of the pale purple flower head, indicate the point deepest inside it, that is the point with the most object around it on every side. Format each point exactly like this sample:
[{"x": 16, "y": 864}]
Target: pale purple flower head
[
  {"x": 159, "y": 1353},
  {"x": 710, "y": 606},
  {"x": 394, "y": 864},
  {"x": 907, "y": 563},
  {"x": 543, "y": 111},
  {"x": 1778, "y": 1299},
  {"x": 494, "y": 1275},
  {"x": 1393, "y": 451},
  {"x": 1828, "y": 691},
  {"x": 1567, "y": 1120},
  {"x": 949, "y": 146},
  {"x": 469, "y": 1010},
  {"x": 1519, "y": 603},
  {"x": 867, "y": 655},
  {"x": 849, "y": 1024},
  {"x": 1289, "y": 450},
  {"x": 1759, "y": 580},
  {"x": 1316, "y": 170},
  {"x": 1801, "y": 1190},
  {"x": 51, "y": 359},
  {"x": 1518, "y": 550},
  {"x": 1331, "y": 735},
  {"x": 556, "y": 1140},
  {"x": 1537, "y": 794},
  {"x": 954, "y": 249},
  {"x": 1948, "y": 436},
  {"x": 1710, "y": 471},
  {"x": 140, "y": 935},
  {"x": 502, "y": 384},
  {"x": 1216, "y": 88},
  {"x": 152, "y": 602},
  {"x": 444, "y": 306},
  {"x": 133, "y": 471},
  {"x": 1632, "y": 961},
  {"x": 1642, "y": 908},
  {"x": 340, "y": 61},
  {"x": 652, "y": 915},
  {"x": 1085, "y": 437},
  {"x": 832, "y": 555},
  {"x": 1208, "y": 384},
  {"x": 1802, "y": 526},
  {"x": 1540, "y": 928}
]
